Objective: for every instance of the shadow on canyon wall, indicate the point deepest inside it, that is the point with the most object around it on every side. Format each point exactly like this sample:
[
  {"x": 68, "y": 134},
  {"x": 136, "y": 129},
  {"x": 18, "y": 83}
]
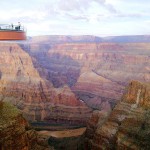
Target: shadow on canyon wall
[
  {"x": 0, "y": 75},
  {"x": 57, "y": 68},
  {"x": 61, "y": 69}
]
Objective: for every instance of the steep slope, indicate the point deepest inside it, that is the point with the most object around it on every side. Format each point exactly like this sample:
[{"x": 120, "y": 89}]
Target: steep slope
[
  {"x": 21, "y": 84},
  {"x": 128, "y": 126}
]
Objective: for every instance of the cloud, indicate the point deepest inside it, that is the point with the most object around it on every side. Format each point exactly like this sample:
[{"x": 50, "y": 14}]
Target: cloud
[
  {"x": 77, "y": 16},
  {"x": 78, "y": 10},
  {"x": 80, "y": 6},
  {"x": 106, "y": 5}
]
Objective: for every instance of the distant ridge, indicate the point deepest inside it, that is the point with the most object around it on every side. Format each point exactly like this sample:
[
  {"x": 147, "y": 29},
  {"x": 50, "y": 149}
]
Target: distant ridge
[
  {"x": 66, "y": 38},
  {"x": 127, "y": 39},
  {"x": 90, "y": 38}
]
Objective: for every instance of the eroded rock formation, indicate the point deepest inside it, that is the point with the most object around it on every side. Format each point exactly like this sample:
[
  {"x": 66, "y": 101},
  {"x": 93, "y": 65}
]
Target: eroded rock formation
[{"x": 128, "y": 125}]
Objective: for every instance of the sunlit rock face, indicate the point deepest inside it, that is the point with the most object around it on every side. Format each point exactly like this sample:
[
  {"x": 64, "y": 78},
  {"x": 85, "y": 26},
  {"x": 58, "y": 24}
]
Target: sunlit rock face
[
  {"x": 127, "y": 126},
  {"x": 22, "y": 84},
  {"x": 97, "y": 72}
]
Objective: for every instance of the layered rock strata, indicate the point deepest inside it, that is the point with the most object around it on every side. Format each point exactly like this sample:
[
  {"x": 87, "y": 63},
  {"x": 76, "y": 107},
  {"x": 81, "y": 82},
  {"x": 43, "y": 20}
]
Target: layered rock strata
[
  {"x": 22, "y": 85},
  {"x": 96, "y": 72},
  {"x": 128, "y": 125}
]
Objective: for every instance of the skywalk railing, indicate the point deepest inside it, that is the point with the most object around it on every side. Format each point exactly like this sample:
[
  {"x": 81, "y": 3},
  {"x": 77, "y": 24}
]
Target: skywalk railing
[{"x": 12, "y": 28}]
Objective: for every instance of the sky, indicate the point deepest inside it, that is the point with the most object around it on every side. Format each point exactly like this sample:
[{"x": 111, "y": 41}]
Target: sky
[{"x": 78, "y": 17}]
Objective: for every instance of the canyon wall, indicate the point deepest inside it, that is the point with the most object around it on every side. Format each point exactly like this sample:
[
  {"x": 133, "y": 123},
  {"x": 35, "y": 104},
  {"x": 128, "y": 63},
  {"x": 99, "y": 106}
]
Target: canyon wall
[
  {"x": 127, "y": 126},
  {"x": 96, "y": 72},
  {"x": 22, "y": 85}
]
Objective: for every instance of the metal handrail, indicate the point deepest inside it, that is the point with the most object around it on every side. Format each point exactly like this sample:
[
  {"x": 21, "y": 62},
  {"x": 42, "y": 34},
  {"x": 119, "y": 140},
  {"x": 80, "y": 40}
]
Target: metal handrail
[{"x": 12, "y": 27}]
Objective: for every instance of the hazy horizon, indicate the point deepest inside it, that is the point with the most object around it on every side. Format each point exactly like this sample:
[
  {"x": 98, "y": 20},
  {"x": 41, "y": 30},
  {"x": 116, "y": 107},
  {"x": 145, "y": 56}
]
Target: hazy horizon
[{"x": 103, "y": 36}]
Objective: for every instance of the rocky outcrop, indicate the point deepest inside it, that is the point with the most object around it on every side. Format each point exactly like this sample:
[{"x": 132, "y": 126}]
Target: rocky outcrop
[
  {"x": 127, "y": 127},
  {"x": 70, "y": 139},
  {"x": 14, "y": 131}
]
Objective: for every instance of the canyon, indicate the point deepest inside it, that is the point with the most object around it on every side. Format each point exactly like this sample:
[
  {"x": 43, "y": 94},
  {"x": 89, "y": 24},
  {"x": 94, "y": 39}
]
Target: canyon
[
  {"x": 63, "y": 82},
  {"x": 96, "y": 71},
  {"x": 22, "y": 85}
]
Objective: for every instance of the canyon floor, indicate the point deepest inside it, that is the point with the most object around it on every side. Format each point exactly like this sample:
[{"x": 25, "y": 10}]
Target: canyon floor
[{"x": 65, "y": 133}]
